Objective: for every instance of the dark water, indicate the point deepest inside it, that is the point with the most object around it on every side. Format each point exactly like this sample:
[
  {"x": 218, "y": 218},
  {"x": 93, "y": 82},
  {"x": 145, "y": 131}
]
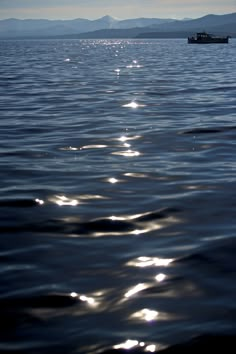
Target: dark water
[{"x": 118, "y": 194}]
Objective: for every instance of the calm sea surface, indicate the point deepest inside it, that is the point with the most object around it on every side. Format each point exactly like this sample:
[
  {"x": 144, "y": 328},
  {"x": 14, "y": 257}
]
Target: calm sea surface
[{"x": 118, "y": 194}]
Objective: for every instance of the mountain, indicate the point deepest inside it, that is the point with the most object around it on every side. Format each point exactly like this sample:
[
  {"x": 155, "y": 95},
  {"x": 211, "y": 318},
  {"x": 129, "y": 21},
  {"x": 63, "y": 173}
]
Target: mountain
[
  {"x": 217, "y": 24},
  {"x": 109, "y": 27},
  {"x": 141, "y": 22},
  {"x": 12, "y": 28},
  {"x": 203, "y": 23}
]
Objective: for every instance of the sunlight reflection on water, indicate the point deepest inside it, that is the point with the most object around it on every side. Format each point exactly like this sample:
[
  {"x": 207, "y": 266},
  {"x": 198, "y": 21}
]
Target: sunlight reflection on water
[{"x": 117, "y": 192}]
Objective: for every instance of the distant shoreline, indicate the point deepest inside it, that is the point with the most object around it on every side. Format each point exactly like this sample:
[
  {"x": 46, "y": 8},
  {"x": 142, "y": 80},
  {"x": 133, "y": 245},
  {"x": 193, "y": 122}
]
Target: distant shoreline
[{"x": 108, "y": 27}]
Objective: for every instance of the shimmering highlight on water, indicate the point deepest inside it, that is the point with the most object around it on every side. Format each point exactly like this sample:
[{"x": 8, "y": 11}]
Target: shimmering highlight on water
[{"x": 117, "y": 195}]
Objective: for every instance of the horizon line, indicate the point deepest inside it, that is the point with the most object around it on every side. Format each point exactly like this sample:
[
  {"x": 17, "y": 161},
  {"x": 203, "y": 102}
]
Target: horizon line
[{"x": 114, "y": 18}]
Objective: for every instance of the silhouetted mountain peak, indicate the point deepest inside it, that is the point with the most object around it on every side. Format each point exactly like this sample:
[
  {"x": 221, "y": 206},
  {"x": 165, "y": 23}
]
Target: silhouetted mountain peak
[
  {"x": 128, "y": 28},
  {"x": 107, "y": 18}
]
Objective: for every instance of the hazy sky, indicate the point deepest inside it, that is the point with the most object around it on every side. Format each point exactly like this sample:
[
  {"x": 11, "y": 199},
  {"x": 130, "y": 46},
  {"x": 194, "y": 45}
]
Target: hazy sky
[{"x": 122, "y": 9}]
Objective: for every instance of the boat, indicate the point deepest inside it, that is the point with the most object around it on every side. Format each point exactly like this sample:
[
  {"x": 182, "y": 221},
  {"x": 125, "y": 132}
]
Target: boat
[{"x": 206, "y": 38}]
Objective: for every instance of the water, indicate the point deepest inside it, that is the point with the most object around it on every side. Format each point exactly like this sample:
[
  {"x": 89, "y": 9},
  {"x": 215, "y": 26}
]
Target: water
[{"x": 118, "y": 194}]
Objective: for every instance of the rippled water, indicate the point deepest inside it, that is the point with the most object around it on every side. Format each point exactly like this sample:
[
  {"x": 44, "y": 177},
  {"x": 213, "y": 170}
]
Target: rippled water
[{"x": 118, "y": 194}]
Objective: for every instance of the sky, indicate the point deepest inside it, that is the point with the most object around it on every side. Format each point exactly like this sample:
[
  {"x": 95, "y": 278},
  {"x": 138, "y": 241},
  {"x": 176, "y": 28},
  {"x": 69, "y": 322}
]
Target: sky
[{"x": 121, "y": 9}]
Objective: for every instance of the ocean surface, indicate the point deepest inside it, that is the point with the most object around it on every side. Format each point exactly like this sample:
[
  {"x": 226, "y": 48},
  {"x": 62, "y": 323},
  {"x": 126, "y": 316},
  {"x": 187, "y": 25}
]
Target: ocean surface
[{"x": 118, "y": 194}]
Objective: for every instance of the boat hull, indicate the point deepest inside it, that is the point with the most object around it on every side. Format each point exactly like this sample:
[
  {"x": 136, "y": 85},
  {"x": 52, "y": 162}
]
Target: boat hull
[{"x": 210, "y": 41}]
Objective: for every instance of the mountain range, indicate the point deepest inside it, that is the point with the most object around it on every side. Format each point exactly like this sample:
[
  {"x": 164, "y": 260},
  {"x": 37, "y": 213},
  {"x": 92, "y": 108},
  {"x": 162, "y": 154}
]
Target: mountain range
[{"x": 109, "y": 27}]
